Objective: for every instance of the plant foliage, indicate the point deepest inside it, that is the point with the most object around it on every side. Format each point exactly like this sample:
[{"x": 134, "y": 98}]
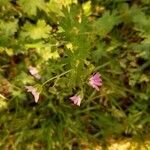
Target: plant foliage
[{"x": 66, "y": 42}]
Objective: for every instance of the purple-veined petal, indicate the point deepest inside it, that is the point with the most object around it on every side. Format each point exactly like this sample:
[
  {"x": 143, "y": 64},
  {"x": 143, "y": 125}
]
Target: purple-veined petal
[{"x": 95, "y": 81}]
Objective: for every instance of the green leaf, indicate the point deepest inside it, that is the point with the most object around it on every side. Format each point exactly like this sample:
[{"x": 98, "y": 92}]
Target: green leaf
[
  {"x": 106, "y": 23},
  {"x": 87, "y": 8},
  {"x": 30, "y": 7},
  {"x": 8, "y": 28},
  {"x": 38, "y": 31},
  {"x": 99, "y": 52},
  {"x": 54, "y": 7},
  {"x": 44, "y": 50},
  {"x": 144, "y": 23}
]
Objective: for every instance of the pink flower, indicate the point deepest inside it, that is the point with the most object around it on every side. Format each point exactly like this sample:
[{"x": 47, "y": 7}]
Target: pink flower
[
  {"x": 34, "y": 92},
  {"x": 76, "y": 99},
  {"x": 34, "y": 72},
  {"x": 95, "y": 81}
]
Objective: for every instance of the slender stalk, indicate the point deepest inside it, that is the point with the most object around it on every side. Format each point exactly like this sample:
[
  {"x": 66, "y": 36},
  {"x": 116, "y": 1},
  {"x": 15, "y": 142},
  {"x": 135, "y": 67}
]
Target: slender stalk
[
  {"x": 101, "y": 66},
  {"x": 55, "y": 77}
]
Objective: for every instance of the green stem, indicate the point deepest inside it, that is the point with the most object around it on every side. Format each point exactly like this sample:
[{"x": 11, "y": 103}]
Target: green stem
[
  {"x": 101, "y": 66},
  {"x": 55, "y": 77}
]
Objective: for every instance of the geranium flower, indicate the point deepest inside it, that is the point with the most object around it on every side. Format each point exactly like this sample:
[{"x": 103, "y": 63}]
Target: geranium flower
[
  {"x": 95, "y": 81},
  {"x": 76, "y": 99},
  {"x": 34, "y": 72},
  {"x": 34, "y": 92}
]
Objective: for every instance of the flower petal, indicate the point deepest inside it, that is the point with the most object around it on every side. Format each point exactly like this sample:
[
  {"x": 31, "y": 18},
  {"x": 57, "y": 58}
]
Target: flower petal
[
  {"x": 34, "y": 72},
  {"x": 34, "y": 92},
  {"x": 76, "y": 99},
  {"x": 95, "y": 81}
]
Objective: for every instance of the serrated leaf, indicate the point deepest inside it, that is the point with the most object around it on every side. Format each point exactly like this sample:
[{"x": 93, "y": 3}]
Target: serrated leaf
[
  {"x": 30, "y": 7},
  {"x": 54, "y": 7},
  {"x": 38, "y": 31},
  {"x": 44, "y": 50},
  {"x": 8, "y": 28}
]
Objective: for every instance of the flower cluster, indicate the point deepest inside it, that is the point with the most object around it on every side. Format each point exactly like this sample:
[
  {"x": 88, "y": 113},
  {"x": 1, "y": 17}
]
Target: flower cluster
[{"x": 95, "y": 82}]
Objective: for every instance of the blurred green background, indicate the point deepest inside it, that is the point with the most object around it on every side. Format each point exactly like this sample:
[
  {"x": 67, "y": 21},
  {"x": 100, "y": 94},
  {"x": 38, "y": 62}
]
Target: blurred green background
[{"x": 111, "y": 37}]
